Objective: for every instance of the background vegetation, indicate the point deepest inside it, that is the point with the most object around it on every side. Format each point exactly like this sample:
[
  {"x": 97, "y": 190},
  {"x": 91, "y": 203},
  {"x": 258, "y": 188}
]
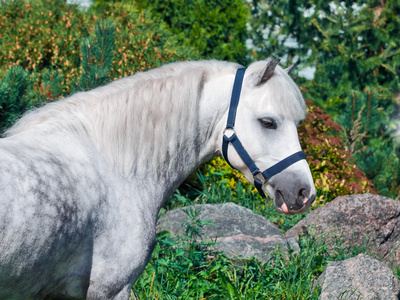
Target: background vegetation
[
  {"x": 49, "y": 49},
  {"x": 354, "y": 47},
  {"x": 215, "y": 28}
]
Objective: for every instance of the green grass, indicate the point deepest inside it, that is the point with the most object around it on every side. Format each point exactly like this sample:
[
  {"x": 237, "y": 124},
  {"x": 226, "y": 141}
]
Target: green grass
[{"x": 183, "y": 268}]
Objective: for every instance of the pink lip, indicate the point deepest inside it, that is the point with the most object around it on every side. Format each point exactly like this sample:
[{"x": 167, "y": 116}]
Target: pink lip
[{"x": 284, "y": 208}]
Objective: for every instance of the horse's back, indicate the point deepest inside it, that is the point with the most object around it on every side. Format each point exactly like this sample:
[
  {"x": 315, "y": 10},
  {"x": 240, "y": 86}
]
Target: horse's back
[{"x": 46, "y": 219}]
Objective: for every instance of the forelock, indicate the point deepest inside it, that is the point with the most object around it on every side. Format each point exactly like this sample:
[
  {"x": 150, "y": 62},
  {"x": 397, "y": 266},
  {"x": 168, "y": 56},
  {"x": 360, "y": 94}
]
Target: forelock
[{"x": 282, "y": 93}]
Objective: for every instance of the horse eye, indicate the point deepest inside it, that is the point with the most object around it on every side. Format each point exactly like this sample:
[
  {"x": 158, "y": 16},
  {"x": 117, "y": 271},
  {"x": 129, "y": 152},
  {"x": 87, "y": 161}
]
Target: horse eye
[{"x": 268, "y": 123}]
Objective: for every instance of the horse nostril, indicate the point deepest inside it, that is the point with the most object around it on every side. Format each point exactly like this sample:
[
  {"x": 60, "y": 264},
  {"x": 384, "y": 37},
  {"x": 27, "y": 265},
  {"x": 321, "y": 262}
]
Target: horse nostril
[
  {"x": 302, "y": 197},
  {"x": 279, "y": 198}
]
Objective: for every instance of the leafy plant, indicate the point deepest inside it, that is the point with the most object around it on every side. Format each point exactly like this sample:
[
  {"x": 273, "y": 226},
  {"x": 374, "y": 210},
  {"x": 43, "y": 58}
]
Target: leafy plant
[
  {"x": 331, "y": 164},
  {"x": 371, "y": 142},
  {"x": 193, "y": 225}
]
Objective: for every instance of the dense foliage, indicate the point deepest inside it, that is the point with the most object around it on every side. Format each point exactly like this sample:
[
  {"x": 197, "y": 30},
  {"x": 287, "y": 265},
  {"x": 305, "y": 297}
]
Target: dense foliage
[
  {"x": 41, "y": 34},
  {"x": 216, "y": 28},
  {"x": 355, "y": 48},
  {"x": 49, "y": 40},
  {"x": 13, "y": 89},
  {"x": 141, "y": 42}
]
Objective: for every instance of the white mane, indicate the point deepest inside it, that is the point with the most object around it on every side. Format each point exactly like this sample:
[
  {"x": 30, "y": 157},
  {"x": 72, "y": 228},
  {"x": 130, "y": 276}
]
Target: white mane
[{"x": 146, "y": 116}]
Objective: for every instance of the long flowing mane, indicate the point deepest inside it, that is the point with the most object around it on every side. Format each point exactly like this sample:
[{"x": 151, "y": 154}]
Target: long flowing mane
[{"x": 146, "y": 116}]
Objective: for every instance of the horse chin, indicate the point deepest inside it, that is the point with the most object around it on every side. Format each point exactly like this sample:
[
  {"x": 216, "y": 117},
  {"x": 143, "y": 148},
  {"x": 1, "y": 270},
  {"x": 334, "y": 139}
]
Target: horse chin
[{"x": 285, "y": 210}]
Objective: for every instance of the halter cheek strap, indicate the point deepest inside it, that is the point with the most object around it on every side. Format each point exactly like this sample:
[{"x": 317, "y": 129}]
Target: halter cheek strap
[{"x": 230, "y": 137}]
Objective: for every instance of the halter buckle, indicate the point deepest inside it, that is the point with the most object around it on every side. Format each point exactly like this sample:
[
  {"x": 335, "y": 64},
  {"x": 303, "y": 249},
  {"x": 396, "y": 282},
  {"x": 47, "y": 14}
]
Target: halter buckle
[
  {"x": 229, "y": 132},
  {"x": 259, "y": 177}
]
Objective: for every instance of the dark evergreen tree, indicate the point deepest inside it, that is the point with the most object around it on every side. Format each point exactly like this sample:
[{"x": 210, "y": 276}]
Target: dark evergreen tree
[
  {"x": 97, "y": 56},
  {"x": 14, "y": 100}
]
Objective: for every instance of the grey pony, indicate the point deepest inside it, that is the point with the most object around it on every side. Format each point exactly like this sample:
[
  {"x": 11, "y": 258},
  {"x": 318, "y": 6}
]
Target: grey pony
[{"x": 82, "y": 179}]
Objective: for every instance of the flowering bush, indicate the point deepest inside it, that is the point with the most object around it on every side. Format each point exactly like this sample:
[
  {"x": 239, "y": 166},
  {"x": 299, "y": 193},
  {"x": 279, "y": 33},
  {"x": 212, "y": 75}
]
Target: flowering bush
[
  {"x": 333, "y": 170},
  {"x": 41, "y": 34},
  {"x": 42, "y": 43},
  {"x": 46, "y": 34}
]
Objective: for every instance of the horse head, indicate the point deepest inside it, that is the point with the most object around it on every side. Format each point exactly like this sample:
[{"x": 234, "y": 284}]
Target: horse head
[{"x": 265, "y": 122}]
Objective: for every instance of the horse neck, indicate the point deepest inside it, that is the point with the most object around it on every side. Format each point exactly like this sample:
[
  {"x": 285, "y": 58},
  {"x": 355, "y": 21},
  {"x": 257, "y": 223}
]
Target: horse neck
[{"x": 165, "y": 129}]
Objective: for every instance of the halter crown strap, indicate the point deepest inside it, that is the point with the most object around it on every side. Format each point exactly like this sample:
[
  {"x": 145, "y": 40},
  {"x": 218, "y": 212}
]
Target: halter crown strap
[
  {"x": 237, "y": 88},
  {"x": 241, "y": 151}
]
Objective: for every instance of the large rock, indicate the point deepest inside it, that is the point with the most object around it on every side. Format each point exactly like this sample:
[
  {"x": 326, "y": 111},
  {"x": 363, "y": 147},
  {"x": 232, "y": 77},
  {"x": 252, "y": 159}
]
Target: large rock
[
  {"x": 360, "y": 277},
  {"x": 363, "y": 220},
  {"x": 238, "y": 231}
]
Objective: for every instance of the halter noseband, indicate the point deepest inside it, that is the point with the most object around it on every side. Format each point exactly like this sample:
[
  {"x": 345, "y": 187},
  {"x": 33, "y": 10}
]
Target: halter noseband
[{"x": 231, "y": 137}]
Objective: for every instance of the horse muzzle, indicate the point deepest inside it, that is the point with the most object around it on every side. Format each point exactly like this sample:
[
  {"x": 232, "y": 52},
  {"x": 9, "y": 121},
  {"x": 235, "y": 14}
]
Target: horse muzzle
[{"x": 295, "y": 200}]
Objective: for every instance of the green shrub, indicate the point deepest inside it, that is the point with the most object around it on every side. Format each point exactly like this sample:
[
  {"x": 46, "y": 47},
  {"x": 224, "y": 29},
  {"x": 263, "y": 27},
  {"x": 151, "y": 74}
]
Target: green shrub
[
  {"x": 334, "y": 171},
  {"x": 141, "y": 42},
  {"x": 42, "y": 34},
  {"x": 358, "y": 73},
  {"x": 216, "y": 28},
  {"x": 368, "y": 134},
  {"x": 97, "y": 57}
]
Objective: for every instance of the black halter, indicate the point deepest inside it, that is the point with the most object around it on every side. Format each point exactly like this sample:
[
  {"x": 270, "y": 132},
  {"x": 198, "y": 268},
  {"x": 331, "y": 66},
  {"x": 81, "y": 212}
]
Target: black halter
[{"x": 234, "y": 140}]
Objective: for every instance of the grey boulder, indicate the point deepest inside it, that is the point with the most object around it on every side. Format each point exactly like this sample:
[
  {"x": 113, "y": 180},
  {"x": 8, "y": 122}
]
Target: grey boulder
[
  {"x": 238, "y": 232},
  {"x": 369, "y": 221},
  {"x": 360, "y": 277}
]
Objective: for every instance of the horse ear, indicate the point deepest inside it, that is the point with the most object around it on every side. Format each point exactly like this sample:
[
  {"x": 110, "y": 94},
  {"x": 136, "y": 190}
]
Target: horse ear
[
  {"x": 268, "y": 71},
  {"x": 290, "y": 69}
]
